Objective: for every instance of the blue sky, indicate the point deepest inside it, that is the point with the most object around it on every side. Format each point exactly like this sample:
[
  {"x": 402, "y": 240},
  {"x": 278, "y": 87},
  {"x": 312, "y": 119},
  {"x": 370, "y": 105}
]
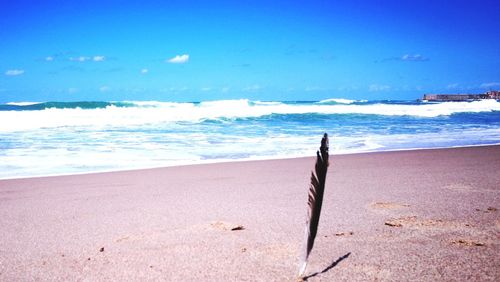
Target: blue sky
[{"x": 208, "y": 50}]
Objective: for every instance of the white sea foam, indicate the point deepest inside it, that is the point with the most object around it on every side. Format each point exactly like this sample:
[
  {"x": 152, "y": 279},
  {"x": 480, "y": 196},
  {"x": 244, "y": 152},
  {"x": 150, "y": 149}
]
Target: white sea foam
[
  {"x": 142, "y": 134},
  {"x": 23, "y": 103},
  {"x": 152, "y": 112},
  {"x": 339, "y": 101},
  {"x": 156, "y": 104},
  {"x": 267, "y": 103},
  {"x": 49, "y": 151}
]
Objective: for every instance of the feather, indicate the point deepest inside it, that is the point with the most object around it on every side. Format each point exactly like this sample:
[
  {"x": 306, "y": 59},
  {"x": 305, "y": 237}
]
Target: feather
[{"x": 316, "y": 190}]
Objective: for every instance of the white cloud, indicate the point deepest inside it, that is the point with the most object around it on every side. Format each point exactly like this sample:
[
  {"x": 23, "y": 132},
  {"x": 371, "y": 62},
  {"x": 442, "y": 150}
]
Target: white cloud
[
  {"x": 490, "y": 85},
  {"x": 99, "y": 58},
  {"x": 14, "y": 72},
  {"x": 85, "y": 59},
  {"x": 179, "y": 59},
  {"x": 452, "y": 86},
  {"x": 49, "y": 59},
  {"x": 252, "y": 88},
  {"x": 206, "y": 89},
  {"x": 225, "y": 89},
  {"x": 378, "y": 87},
  {"x": 73, "y": 90},
  {"x": 144, "y": 71},
  {"x": 406, "y": 58},
  {"x": 79, "y": 59},
  {"x": 104, "y": 88},
  {"x": 414, "y": 58}
]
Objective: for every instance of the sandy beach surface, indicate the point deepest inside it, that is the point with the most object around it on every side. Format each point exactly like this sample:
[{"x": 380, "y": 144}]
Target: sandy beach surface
[{"x": 424, "y": 215}]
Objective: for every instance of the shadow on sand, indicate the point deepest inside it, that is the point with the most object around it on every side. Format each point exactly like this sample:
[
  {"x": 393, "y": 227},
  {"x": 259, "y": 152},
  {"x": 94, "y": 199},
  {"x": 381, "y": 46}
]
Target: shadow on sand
[{"x": 332, "y": 265}]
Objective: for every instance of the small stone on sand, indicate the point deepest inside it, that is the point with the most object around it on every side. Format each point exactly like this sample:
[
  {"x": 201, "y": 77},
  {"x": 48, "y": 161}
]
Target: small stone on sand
[
  {"x": 343, "y": 233},
  {"x": 467, "y": 242},
  {"x": 393, "y": 224},
  {"x": 238, "y": 227}
]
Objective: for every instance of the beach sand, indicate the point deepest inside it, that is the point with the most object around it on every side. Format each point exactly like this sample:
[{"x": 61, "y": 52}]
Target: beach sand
[{"x": 423, "y": 215}]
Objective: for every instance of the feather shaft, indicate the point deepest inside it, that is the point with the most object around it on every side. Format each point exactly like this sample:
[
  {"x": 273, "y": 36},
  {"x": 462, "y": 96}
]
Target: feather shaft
[{"x": 315, "y": 201}]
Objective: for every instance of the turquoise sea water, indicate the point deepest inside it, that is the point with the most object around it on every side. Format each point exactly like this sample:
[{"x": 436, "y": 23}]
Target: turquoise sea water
[{"x": 56, "y": 138}]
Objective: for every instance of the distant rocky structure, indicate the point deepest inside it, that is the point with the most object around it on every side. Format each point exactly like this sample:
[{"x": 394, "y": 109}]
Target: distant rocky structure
[{"x": 492, "y": 94}]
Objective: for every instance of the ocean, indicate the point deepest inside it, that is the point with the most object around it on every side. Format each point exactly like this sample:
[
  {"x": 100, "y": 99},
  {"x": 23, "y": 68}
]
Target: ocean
[{"x": 56, "y": 138}]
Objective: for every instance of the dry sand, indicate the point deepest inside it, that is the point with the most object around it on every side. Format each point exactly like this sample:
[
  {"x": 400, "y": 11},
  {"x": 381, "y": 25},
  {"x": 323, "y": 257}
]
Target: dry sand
[{"x": 426, "y": 215}]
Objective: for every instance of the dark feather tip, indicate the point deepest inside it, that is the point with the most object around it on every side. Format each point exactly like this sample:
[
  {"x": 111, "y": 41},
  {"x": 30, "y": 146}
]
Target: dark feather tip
[{"x": 324, "y": 143}]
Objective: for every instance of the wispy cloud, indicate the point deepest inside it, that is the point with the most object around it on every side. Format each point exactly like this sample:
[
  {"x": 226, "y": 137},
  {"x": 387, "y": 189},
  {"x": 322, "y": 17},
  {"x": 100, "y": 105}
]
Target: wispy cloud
[
  {"x": 414, "y": 58},
  {"x": 73, "y": 90},
  {"x": 452, "y": 86},
  {"x": 406, "y": 58},
  {"x": 50, "y": 58},
  {"x": 204, "y": 89},
  {"x": 64, "y": 56},
  {"x": 378, "y": 87},
  {"x": 252, "y": 88},
  {"x": 144, "y": 71},
  {"x": 79, "y": 59},
  {"x": 104, "y": 88},
  {"x": 82, "y": 59},
  {"x": 179, "y": 59},
  {"x": 225, "y": 89},
  {"x": 489, "y": 85},
  {"x": 99, "y": 58},
  {"x": 14, "y": 72}
]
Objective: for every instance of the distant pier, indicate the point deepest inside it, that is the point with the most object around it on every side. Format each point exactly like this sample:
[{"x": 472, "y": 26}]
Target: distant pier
[{"x": 493, "y": 94}]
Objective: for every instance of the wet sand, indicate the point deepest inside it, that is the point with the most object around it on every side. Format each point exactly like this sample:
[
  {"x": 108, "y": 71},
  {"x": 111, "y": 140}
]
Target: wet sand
[{"x": 422, "y": 215}]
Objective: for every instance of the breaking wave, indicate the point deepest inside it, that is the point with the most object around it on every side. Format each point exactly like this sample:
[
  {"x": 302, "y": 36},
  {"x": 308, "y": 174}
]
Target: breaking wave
[
  {"x": 130, "y": 113},
  {"x": 46, "y": 138}
]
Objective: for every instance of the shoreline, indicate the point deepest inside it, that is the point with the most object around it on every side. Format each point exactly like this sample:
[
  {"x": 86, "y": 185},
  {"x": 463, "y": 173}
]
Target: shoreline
[
  {"x": 223, "y": 161},
  {"x": 426, "y": 215}
]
